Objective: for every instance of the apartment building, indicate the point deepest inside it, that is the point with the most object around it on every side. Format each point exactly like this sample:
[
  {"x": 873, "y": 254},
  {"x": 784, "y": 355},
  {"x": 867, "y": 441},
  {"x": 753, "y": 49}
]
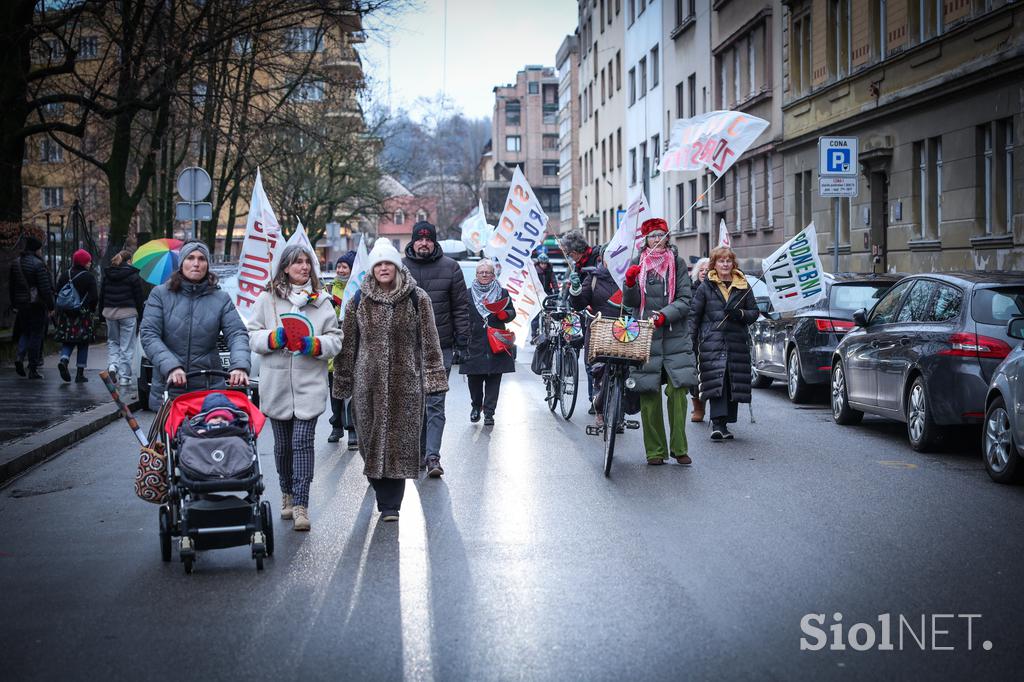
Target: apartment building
[
  {"x": 686, "y": 46},
  {"x": 645, "y": 129},
  {"x": 602, "y": 106},
  {"x": 524, "y": 133},
  {"x": 567, "y": 61},
  {"x": 932, "y": 90}
]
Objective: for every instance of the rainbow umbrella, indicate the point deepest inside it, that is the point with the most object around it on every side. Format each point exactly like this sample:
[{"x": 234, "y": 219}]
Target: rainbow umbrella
[{"x": 157, "y": 259}]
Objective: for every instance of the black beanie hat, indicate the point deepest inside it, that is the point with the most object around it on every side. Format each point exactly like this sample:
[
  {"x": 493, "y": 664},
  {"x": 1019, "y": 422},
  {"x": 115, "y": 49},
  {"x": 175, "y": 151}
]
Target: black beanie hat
[
  {"x": 424, "y": 230},
  {"x": 32, "y": 243}
]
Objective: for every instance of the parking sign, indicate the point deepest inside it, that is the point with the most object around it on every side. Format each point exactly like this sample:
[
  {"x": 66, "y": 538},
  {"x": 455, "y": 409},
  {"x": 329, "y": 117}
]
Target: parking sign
[{"x": 837, "y": 157}]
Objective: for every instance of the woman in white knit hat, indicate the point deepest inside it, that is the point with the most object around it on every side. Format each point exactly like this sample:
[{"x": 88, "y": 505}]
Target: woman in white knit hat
[{"x": 390, "y": 361}]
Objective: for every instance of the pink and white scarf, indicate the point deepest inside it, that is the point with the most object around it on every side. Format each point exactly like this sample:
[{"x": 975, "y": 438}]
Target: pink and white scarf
[{"x": 663, "y": 263}]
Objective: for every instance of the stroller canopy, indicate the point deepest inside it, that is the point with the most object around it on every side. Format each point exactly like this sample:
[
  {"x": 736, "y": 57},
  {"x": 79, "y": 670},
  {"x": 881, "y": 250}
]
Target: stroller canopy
[{"x": 190, "y": 404}]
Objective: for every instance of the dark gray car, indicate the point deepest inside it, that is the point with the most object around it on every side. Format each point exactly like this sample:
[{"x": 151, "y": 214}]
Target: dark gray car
[
  {"x": 926, "y": 352},
  {"x": 1002, "y": 440}
]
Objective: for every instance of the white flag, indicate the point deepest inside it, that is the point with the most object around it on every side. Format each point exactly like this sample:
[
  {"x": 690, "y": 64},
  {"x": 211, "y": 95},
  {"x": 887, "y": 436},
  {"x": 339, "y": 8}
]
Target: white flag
[
  {"x": 527, "y": 296},
  {"x": 794, "y": 273},
  {"x": 627, "y": 241},
  {"x": 520, "y": 230},
  {"x": 300, "y": 237},
  {"x": 355, "y": 280},
  {"x": 723, "y": 235},
  {"x": 261, "y": 248},
  {"x": 713, "y": 140},
  {"x": 475, "y": 230}
]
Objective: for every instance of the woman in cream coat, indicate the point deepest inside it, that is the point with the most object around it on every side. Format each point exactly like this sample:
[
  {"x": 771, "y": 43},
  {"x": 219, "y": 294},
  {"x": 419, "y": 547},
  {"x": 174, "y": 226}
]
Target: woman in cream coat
[{"x": 293, "y": 390}]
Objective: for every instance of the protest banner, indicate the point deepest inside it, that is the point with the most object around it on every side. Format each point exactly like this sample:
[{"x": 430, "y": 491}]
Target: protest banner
[
  {"x": 627, "y": 241},
  {"x": 260, "y": 249},
  {"x": 475, "y": 230},
  {"x": 520, "y": 230},
  {"x": 794, "y": 274},
  {"x": 300, "y": 237},
  {"x": 724, "y": 239},
  {"x": 527, "y": 294},
  {"x": 355, "y": 280},
  {"x": 713, "y": 140}
]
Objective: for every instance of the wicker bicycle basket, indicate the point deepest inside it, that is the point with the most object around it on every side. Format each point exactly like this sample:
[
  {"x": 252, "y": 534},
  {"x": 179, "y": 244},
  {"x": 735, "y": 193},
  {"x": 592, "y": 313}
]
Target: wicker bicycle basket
[{"x": 605, "y": 340}]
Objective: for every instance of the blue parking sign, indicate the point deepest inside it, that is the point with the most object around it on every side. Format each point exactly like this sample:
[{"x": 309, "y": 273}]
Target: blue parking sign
[{"x": 837, "y": 156}]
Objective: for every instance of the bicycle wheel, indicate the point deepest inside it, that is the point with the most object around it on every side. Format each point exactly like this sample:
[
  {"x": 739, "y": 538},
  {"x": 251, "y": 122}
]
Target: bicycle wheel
[
  {"x": 569, "y": 378},
  {"x": 612, "y": 415},
  {"x": 551, "y": 382}
]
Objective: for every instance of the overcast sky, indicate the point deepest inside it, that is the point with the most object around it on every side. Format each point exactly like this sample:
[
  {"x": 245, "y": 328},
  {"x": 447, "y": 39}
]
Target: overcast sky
[{"x": 488, "y": 42}]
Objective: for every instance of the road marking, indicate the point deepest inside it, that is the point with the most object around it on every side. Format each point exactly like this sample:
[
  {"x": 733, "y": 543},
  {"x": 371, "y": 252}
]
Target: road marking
[
  {"x": 414, "y": 580},
  {"x": 895, "y": 464}
]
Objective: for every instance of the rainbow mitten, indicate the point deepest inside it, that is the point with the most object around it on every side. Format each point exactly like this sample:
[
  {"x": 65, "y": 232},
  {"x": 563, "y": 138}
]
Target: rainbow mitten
[
  {"x": 310, "y": 346},
  {"x": 278, "y": 339}
]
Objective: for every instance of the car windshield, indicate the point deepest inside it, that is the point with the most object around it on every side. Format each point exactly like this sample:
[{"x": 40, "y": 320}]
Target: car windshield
[
  {"x": 997, "y": 305},
  {"x": 856, "y": 296}
]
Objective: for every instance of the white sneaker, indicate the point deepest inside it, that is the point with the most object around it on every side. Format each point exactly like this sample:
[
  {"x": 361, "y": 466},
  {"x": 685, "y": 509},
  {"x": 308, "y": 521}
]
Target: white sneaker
[
  {"x": 286, "y": 506},
  {"x": 301, "y": 522}
]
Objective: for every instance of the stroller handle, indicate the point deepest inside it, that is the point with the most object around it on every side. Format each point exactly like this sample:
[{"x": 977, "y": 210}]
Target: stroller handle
[{"x": 208, "y": 373}]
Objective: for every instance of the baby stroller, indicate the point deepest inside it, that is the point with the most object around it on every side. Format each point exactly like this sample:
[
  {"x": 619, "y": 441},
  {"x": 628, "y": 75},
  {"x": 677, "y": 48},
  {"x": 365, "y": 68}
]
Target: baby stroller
[{"x": 215, "y": 479}]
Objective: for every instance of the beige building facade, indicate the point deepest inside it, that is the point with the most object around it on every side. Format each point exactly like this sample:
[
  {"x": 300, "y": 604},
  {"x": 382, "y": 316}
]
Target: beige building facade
[{"x": 567, "y": 62}]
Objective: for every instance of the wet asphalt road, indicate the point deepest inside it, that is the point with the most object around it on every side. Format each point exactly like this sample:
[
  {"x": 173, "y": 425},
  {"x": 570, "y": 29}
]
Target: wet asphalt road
[{"x": 524, "y": 562}]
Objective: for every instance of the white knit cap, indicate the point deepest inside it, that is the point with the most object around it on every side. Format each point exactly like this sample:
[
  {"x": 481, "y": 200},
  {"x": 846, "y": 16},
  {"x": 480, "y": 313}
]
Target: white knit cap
[{"x": 383, "y": 252}]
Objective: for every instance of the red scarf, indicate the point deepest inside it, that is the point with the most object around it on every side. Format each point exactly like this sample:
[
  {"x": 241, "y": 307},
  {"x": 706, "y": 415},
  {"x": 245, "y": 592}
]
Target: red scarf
[{"x": 662, "y": 263}]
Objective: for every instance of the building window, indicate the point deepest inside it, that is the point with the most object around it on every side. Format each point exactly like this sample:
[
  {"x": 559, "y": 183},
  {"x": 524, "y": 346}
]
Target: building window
[
  {"x": 723, "y": 81},
  {"x": 844, "y": 209},
  {"x": 719, "y": 190},
  {"x": 926, "y": 18},
  {"x": 681, "y": 201},
  {"x": 53, "y": 197},
  {"x": 632, "y": 87},
  {"x": 312, "y": 91},
  {"x": 549, "y": 142},
  {"x": 512, "y": 112},
  {"x": 736, "y": 205},
  {"x": 751, "y": 195},
  {"x": 736, "y": 96},
  {"x": 50, "y": 151},
  {"x": 604, "y": 168},
  {"x": 685, "y": 9},
  {"x": 680, "y": 101},
  {"x": 618, "y": 70},
  {"x": 603, "y": 94},
  {"x": 691, "y": 86},
  {"x": 88, "y": 47},
  {"x": 996, "y": 144},
  {"x": 550, "y": 167},
  {"x": 642, "y": 69},
  {"x": 654, "y": 67},
  {"x": 302, "y": 39},
  {"x": 644, "y": 164},
  {"x": 656, "y": 147},
  {"x": 421, "y": 215},
  {"x": 512, "y": 143},
  {"x": 878, "y": 28},
  {"x": 549, "y": 114},
  {"x": 632, "y": 167},
  {"x": 693, "y": 205},
  {"x": 839, "y": 38},
  {"x": 54, "y": 108},
  {"x": 399, "y": 218},
  {"x": 769, "y": 202},
  {"x": 618, "y": 148},
  {"x": 533, "y": 88},
  {"x": 800, "y": 55},
  {"x": 803, "y": 200},
  {"x": 751, "y": 66},
  {"x": 928, "y": 186},
  {"x": 632, "y": 12},
  {"x": 1008, "y": 142}
]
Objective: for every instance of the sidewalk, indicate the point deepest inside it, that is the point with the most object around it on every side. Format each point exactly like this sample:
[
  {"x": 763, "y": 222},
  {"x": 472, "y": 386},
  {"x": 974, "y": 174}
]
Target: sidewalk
[{"x": 40, "y": 417}]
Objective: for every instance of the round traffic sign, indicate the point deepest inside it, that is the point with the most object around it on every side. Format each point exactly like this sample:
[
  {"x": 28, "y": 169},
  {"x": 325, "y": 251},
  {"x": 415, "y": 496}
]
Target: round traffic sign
[{"x": 194, "y": 184}]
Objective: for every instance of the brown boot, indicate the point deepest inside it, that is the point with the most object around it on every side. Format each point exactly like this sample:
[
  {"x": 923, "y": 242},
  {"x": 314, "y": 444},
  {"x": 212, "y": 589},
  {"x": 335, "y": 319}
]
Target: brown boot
[{"x": 698, "y": 410}]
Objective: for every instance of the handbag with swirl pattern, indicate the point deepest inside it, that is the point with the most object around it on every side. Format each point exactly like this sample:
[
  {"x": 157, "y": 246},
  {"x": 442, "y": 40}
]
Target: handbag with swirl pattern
[{"x": 151, "y": 476}]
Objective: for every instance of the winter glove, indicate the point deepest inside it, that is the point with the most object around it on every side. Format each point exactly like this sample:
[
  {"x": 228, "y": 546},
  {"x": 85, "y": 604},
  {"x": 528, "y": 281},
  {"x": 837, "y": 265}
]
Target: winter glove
[
  {"x": 632, "y": 272},
  {"x": 658, "y": 319},
  {"x": 501, "y": 316},
  {"x": 734, "y": 314},
  {"x": 310, "y": 346},
  {"x": 575, "y": 284},
  {"x": 278, "y": 339},
  {"x": 458, "y": 356}
]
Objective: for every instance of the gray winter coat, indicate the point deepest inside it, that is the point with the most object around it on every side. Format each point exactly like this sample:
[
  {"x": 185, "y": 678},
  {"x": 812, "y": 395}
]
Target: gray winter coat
[
  {"x": 671, "y": 348},
  {"x": 180, "y": 329}
]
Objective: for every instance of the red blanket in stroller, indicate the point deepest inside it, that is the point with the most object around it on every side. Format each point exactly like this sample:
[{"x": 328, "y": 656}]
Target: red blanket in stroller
[{"x": 190, "y": 404}]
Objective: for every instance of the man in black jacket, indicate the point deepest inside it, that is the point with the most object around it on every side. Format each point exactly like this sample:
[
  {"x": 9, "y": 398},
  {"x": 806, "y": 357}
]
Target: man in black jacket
[
  {"x": 32, "y": 296},
  {"x": 441, "y": 277}
]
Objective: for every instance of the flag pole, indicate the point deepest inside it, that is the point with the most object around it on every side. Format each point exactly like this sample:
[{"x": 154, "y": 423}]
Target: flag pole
[{"x": 701, "y": 197}]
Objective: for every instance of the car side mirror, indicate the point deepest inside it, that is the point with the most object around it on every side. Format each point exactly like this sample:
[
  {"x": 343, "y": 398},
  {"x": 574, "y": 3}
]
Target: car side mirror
[
  {"x": 1015, "y": 328},
  {"x": 772, "y": 315},
  {"x": 860, "y": 318}
]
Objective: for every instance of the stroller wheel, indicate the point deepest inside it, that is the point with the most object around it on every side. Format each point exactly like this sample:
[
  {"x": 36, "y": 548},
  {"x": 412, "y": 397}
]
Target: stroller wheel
[
  {"x": 165, "y": 533},
  {"x": 267, "y": 521}
]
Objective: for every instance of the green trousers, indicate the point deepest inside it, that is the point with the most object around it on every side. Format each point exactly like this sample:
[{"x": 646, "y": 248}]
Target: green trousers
[{"x": 653, "y": 422}]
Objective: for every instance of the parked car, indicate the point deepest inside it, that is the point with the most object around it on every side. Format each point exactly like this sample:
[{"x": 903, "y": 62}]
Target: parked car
[
  {"x": 1002, "y": 439},
  {"x": 927, "y": 351},
  {"x": 796, "y": 347}
]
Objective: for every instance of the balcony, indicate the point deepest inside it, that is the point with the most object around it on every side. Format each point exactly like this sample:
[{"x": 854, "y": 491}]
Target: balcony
[
  {"x": 347, "y": 111},
  {"x": 345, "y": 63},
  {"x": 351, "y": 21},
  {"x": 357, "y": 37}
]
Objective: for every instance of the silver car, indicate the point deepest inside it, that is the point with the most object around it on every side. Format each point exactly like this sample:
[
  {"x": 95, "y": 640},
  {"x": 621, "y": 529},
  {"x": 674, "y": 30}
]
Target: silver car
[{"x": 1003, "y": 434}]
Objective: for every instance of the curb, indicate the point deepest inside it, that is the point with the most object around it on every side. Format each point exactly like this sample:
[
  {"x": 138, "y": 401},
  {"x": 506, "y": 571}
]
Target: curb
[{"x": 23, "y": 454}]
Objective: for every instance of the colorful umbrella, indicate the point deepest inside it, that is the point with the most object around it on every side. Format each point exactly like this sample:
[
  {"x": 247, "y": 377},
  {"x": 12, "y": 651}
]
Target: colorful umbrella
[{"x": 157, "y": 259}]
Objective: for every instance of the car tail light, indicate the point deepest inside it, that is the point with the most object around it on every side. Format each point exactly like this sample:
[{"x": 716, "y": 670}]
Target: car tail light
[
  {"x": 965, "y": 344},
  {"x": 827, "y": 324}
]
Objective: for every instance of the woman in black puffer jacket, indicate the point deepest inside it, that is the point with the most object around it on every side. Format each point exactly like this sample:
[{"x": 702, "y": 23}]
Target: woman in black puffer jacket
[
  {"x": 76, "y": 327},
  {"x": 121, "y": 303},
  {"x": 723, "y": 306}
]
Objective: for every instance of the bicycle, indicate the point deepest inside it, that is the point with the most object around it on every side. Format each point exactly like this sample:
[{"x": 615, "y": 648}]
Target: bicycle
[{"x": 562, "y": 326}]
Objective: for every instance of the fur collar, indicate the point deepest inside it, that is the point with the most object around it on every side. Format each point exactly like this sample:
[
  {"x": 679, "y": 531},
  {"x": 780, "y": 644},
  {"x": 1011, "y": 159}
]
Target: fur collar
[{"x": 371, "y": 289}]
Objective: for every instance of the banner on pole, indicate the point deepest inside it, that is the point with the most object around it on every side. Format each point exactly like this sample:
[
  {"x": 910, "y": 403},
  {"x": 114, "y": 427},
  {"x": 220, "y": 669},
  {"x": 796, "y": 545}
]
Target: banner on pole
[
  {"x": 713, "y": 140},
  {"x": 520, "y": 230},
  {"x": 355, "y": 280},
  {"x": 300, "y": 237},
  {"x": 724, "y": 239},
  {"x": 527, "y": 294},
  {"x": 794, "y": 273},
  {"x": 627, "y": 241},
  {"x": 475, "y": 230},
  {"x": 260, "y": 249}
]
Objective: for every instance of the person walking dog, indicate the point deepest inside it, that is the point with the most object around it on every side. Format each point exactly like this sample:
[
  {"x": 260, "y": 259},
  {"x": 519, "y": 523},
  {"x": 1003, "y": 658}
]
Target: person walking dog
[
  {"x": 390, "y": 364},
  {"x": 488, "y": 356},
  {"x": 292, "y": 389},
  {"x": 723, "y": 308},
  {"x": 657, "y": 286}
]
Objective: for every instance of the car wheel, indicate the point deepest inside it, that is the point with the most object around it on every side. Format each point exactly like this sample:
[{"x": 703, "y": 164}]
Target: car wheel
[
  {"x": 797, "y": 388},
  {"x": 758, "y": 380},
  {"x": 997, "y": 447},
  {"x": 922, "y": 432},
  {"x": 842, "y": 413}
]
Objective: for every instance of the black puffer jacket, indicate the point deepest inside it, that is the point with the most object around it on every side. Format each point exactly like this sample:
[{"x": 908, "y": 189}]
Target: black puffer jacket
[
  {"x": 481, "y": 360},
  {"x": 596, "y": 291},
  {"x": 33, "y": 274},
  {"x": 441, "y": 277},
  {"x": 84, "y": 283},
  {"x": 723, "y": 344},
  {"x": 122, "y": 288}
]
